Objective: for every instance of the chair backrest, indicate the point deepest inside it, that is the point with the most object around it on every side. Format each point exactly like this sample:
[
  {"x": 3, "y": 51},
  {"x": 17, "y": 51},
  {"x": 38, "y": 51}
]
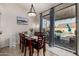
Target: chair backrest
[
  {"x": 22, "y": 37},
  {"x": 41, "y": 39},
  {"x": 39, "y": 35}
]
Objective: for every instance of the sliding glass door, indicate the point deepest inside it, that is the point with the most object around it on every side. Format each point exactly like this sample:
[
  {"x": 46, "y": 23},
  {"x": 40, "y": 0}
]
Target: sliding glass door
[{"x": 65, "y": 28}]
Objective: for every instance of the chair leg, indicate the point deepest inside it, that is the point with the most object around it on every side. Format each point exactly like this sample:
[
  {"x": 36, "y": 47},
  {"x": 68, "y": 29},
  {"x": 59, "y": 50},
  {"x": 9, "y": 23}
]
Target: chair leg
[
  {"x": 44, "y": 49},
  {"x": 20, "y": 45},
  {"x": 25, "y": 51},
  {"x": 43, "y": 53},
  {"x": 22, "y": 49},
  {"x": 37, "y": 52},
  {"x": 32, "y": 51}
]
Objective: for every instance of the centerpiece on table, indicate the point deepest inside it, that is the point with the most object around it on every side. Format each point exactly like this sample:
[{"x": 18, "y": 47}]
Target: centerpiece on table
[{"x": 31, "y": 32}]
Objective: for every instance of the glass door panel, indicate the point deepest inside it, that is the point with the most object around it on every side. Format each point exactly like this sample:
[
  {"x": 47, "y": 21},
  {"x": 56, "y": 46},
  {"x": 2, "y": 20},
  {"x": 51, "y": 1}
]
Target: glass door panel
[
  {"x": 46, "y": 27},
  {"x": 65, "y": 28}
]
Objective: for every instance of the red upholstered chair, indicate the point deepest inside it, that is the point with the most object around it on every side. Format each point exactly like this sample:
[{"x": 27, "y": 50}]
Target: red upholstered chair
[{"x": 39, "y": 44}]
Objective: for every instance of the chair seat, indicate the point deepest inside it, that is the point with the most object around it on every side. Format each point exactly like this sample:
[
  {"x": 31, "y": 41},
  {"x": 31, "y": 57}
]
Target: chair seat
[{"x": 37, "y": 45}]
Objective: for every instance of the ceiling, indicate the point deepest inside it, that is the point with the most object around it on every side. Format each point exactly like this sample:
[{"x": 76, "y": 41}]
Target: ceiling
[
  {"x": 39, "y": 7},
  {"x": 64, "y": 13}
]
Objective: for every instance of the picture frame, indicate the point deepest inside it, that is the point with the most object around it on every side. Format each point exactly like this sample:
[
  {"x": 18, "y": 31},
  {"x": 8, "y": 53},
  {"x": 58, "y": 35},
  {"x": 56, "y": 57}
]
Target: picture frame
[{"x": 22, "y": 20}]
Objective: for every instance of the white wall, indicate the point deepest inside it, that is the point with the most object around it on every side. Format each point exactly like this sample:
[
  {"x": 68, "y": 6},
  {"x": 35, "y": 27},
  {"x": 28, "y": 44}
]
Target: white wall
[{"x": 8, "y": 23}]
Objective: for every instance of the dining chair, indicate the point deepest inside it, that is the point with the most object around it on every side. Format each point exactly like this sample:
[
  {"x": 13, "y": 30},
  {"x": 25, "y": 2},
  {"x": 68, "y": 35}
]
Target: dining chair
[
  {"x": 39, "y": 44},
  {"x": 26, "y": 43},
  {"x": 23, "y": 43}
]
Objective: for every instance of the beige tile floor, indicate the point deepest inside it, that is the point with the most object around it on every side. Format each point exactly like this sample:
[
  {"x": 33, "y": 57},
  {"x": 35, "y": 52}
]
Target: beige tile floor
[{"x": 15, "y": 51}]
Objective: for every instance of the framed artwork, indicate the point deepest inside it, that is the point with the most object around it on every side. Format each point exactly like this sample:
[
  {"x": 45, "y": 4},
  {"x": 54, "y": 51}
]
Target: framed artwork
[{"x": 22, "y": 20}]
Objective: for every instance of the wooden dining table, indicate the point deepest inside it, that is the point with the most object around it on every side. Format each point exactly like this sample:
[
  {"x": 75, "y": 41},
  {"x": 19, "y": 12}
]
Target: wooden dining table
[{"x": 30, "y": 39}]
